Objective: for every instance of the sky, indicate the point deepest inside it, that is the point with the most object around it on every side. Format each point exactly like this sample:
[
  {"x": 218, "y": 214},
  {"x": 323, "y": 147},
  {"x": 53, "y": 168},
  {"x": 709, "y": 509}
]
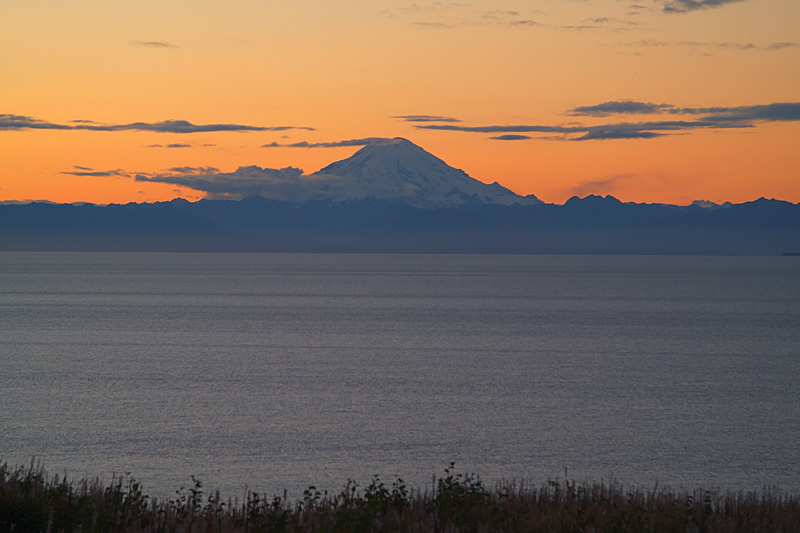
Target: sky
[{"x": 657, "y": 101}]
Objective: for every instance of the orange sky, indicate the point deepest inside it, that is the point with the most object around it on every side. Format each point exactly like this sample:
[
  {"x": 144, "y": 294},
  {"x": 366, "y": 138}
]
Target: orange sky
[{"x": 325, "y": 72}]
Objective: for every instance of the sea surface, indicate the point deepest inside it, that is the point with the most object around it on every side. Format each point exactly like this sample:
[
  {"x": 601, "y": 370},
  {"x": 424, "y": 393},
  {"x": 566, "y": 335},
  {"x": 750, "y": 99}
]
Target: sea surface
[{"x": 268, "y": 372}]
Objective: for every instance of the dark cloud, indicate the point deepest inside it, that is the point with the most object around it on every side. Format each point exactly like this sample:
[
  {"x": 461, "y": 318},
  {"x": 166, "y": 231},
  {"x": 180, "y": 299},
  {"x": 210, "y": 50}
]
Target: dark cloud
[
  {"x": 173, "y": 145},
  {"x": 775, "y": 112},
  {"x": 698, "y": 118},
  {"x": 89, "y": 172},
  {"x": 19, "y": 122},
  {"x": 243, "y": 182},
  {"x": 425, "y": 118},
  {"x": 281, "y": 184},
  {"x": 684, "y": 6},
  {"x": 516, "y": 128},
  {"x": 155, "y": 44},
  {"x": 511, "y": 137},
  {"x": 611, "y": 132},
  {"x": 333, "y": 144},
  {"x": 184, "y": 126},
  {"x": 619, "y": 107}
]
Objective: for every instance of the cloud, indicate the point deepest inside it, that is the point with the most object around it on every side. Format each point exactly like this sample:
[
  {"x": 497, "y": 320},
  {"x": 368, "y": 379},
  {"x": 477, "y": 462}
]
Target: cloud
[
  {"x": 781, "y": 45},
  {"x": 697, "y": 118},
  {"x": 515, "y": 128},
  {"x": 684, "y": 6},
  {"x": 173, "y": 145},
  {"x": 438, "y": 16},
  {"x": 508, "y": 18},
  {"x": 287, "y": 183},
  {"x": 639, "y": 130},
  {"x": 433, "y": 25},
  {"x": 505, "y": 17},
  {"x": 89, "y": 172},
  {"x": 511, "y": 137},
  {"x": 20, "y": 122},
  {"x": 414, "y": 9},
  {"x": 333, "y": 144},
  {"x": 283, "y": 183},
  {"x": 610, "y": 20},
  {"x": 425, "y": 118},
  {"x": 775, "y": 112},
  {"x": 155, "y": 44},
  {"x": 611, "y": 132},
  {"x": 636, "y": 9},
  {"x": 619, "y": 107},
  {"x": 184, "y": 126},
  {"x": 724, "y": 45}
]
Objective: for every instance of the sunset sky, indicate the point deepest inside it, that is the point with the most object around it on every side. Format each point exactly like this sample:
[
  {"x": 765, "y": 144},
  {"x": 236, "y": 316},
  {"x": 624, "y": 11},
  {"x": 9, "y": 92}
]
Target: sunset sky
[{"x": 646, "y": 100}]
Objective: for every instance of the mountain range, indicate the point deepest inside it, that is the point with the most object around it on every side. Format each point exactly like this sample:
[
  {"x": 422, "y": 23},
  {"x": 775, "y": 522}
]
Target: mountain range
[{"x": 393, "y": 196}]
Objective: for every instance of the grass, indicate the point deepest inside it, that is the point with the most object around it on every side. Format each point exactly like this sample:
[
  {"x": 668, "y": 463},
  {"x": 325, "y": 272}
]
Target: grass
[{"x": 31, "y": 501}]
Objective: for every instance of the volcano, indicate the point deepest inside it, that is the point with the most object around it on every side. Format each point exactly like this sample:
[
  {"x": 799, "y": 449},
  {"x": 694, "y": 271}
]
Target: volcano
[{"x": 399, "y": 170}]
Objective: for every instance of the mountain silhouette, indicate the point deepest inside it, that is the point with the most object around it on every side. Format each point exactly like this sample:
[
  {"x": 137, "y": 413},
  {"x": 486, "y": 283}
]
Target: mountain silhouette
[{"x": 394, "y": 197}]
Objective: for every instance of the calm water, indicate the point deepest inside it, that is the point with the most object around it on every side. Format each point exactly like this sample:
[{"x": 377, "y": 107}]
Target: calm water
[{"x": 274, "y": 372}]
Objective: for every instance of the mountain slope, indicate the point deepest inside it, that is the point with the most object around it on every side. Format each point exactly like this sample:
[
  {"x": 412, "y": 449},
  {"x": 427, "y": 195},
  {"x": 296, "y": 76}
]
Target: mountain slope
[{"x": 399, "y": 170}]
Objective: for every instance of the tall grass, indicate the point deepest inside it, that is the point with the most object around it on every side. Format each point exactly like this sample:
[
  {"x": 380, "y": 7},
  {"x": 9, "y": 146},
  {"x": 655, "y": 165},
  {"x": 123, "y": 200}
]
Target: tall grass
[{"x": 30, "y": 501}]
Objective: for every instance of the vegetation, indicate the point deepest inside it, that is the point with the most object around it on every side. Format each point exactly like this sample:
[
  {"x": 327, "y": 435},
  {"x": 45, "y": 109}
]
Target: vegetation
[{"x": 30, "y": 501}]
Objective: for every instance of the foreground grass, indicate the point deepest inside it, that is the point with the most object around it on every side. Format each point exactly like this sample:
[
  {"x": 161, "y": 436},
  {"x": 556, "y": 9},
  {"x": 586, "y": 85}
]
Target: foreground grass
[{"x": 30, "y": 501}]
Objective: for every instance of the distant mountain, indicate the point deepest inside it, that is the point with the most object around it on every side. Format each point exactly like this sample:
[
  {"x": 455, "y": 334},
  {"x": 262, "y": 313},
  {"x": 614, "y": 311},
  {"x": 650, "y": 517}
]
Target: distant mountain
[
  {"x": 706, "y": 204},
  {"x": 590, "y": 225},
  {"x": 393, "y": 196},
  {"x": 400, "y": 171}
]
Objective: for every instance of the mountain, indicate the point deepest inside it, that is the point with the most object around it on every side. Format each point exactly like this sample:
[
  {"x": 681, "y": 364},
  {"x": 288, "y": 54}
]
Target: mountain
[
  {"x": 393, "y": 196},
  {"x": 590, "y": 225},
  {"x": 400, "y": 171}
]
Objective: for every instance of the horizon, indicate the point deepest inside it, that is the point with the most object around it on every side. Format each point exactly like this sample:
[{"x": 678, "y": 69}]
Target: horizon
[
  {"x": 699, "y": 202},
  {"x": 666, "y": 101}
]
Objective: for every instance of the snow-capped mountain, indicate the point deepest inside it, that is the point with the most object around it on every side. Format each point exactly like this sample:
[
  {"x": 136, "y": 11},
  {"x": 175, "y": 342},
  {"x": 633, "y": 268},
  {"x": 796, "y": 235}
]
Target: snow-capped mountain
[{"x": 397, "y": 169}]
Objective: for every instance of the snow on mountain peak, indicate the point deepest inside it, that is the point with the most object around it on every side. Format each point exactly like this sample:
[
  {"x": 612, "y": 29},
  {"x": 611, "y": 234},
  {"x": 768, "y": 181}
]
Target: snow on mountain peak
[{"x": 397, "y": 169}]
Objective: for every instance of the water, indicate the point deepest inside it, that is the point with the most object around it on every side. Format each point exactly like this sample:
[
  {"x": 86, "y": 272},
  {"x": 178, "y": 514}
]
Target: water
[{"x": 270, "y": 372}]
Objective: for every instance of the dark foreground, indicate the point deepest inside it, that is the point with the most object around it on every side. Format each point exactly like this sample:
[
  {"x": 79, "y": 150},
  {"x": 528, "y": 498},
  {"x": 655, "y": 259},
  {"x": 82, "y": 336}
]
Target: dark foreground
[{"x": 32, "y": 501}]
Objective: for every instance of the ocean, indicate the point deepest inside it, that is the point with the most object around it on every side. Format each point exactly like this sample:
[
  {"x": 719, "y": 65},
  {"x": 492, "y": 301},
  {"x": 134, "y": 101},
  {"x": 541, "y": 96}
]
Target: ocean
[{"x": 273, "y": 372}]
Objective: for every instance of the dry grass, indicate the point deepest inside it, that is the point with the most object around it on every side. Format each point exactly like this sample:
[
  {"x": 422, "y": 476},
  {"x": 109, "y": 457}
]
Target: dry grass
[{"x": 32, "y": 502}]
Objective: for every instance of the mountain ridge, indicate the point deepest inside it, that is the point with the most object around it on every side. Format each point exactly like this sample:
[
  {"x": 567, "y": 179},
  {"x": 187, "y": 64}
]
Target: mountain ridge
[{"x": 256, "y": 224}]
